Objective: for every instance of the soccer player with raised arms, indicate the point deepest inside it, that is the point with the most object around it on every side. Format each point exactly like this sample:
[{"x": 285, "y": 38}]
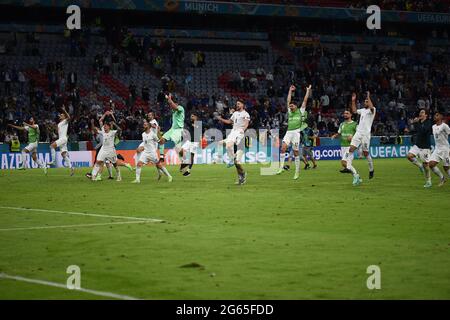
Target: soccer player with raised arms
[
  {"x": 61, "y": 143},
  {"x": 33, "y": 140},
  {"x": 295, "y": 125},
  {"x": 362, "y": 136},
  {"x": 175, "y": 134}
]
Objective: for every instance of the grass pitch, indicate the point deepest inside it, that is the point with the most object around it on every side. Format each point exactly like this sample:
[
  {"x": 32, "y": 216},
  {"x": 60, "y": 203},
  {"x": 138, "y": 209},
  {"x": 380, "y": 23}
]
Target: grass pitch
[{"x": 273, "y": 238}]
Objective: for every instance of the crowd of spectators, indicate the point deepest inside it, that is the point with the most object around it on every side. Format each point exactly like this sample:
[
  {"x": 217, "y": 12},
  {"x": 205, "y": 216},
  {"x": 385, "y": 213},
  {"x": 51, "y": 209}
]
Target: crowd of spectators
[
  {"x": 397, "y": 5},
  {"x": 400, "y": 83}
]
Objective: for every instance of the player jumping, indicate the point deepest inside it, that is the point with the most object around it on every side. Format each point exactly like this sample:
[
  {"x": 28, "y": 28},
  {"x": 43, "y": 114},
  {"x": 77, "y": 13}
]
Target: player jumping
[
  {"x": 149, "y": 152},
  {"x": 175, "y": 134},
  {"x": 189, "y": 147},
  {"x": 240, "y": 120},
  {"x": 362, "y": 136},
  {"x": 423, "y": 128},
  {"x": 61, "y": 143}
]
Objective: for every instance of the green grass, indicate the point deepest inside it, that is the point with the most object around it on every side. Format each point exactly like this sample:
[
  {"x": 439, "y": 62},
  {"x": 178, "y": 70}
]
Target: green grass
[{"x": 273, "y": 238}]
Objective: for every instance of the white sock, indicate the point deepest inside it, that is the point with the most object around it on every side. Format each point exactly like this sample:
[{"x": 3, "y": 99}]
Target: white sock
[
  {"x": 428, "y": 174},
  {"x": 438, "y": 172},
  {"x": 282, "y": 159},
  {"x": 164, "y": 170},
  {"x": 40, "y": 163},
  {"x": 351, "y": 168},
  {"x": 415, "y": 162},
  {"x": 297, "y": 164},
  {"x": 67, "y": 160},
  {"x": 110, "y": 170},
  {"x": 118, "y": 171},
  {"x": 138, "y": 173},
  {"x": 448, "y": 172},
  {"x": 370, "y": 161},
  {"x": 53, "y": 154},
  {"x": 230, "y": 152},
  {"x": 24, "y": 159},
  {"x": 138, "y": 155},
  {"x": 95, "y": 171}
]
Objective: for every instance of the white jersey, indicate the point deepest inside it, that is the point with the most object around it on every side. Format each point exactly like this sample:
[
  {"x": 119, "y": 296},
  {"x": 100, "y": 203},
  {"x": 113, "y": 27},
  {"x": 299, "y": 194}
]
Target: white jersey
[
  {"x": 62, "y": 129},
  {"x": 239, "y": 118},
  {"x": 365, "y": 121},
  {"x": 150, "y": 142},
  {"x": 440, "y": 134},
  {"x": 108, "y": 139}
]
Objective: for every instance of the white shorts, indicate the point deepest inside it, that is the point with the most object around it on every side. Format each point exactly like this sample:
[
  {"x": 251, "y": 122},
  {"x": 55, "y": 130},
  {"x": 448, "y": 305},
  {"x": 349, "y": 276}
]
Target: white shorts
[
  {"x": 147, "y": 157},
  {"x": 235, "y": 137},
  {"x": 190, "y": 147},
  {"x": 344, "y": 151},
  {"x": 61, "y": 144},
  {"x": 32, "y": 147},
  {"x": 107, "y": 155},
  {"x": 292, "y": 137},
  {"x": 422, "y": 154},
  {"x": 361, "y": 140},
  {"x": 441, "y": 155}
]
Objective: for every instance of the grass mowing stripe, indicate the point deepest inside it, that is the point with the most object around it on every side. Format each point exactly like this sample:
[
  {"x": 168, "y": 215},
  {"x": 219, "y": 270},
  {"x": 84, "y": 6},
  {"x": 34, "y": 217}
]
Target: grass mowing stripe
[
  {"x": 83, "y": 214},
  {"x": 62, "y": 286}
]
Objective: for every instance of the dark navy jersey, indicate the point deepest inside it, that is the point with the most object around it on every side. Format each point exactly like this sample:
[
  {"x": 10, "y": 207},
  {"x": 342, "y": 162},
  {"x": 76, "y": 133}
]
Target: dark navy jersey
[{"x": 422, "y": 134}]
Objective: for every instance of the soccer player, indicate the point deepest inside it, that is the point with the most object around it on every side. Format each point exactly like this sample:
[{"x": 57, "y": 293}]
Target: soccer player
[
  {"x": 189, "y": 147},
  {"x": 308, "y": 137},
  {"x": 423, "y": 128},
  {"x": 61, "y": 143},
  {"x": 295, "y": 123},
  {"x": 175, "y": 134},
  {"x": 441, "y": 152},
  {"x": 347, "y": 130},
  {"x": 240, "y": 119},
  {"x": 148, "y": 152},
  {"x": 107, "y": 151},
  {"x": 361, "y": 137},
  {"x": 33, "y": 140}
]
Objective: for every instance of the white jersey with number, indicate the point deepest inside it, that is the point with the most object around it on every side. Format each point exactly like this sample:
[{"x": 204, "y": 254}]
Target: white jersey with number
[
  {"x": 365, "y": 121},
  {"x": 239, "y": 118},
  {"x": 440, "y": 134},
  {"x": 62, "y": 129},
  {"x": 150, "y": 142},
  {"x": 108, "y": 139}
]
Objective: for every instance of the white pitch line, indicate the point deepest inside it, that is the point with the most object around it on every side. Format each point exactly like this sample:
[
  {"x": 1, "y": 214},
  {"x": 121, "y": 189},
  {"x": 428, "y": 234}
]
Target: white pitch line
[
  {"x": 62, "y": 286},
  {"x": 74, "y": 226},
  {"x": 83, "y": 214}
]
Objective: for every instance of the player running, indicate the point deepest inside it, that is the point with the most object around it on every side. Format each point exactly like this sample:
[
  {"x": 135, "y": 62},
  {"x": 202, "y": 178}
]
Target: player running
[
  {"x": 441, "y": 152},
  {"x": 240, "y": 119},
  {"x": 190, "y": 146},
  {"x": 149, "y": 152},
  {"x": 347, "y": 130},
  {"x": 175, "y": 134},
  {"x": 423, "y": 128},
  {"x": 61, "y": 143},
  {"x": 295, "y": 124},
  {"x": 33, "y": 141},
  {"x": 107, "y": 151},
  {"x": 361, "y": 137}
]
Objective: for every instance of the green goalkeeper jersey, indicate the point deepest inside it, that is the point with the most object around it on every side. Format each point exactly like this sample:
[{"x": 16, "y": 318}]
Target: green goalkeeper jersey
[
  {"x": 33, "y": 134},
  {"x": 178, "y": 118},
  {"x": 346, "y": 130},
  {"x": 294, "y": 120}
]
